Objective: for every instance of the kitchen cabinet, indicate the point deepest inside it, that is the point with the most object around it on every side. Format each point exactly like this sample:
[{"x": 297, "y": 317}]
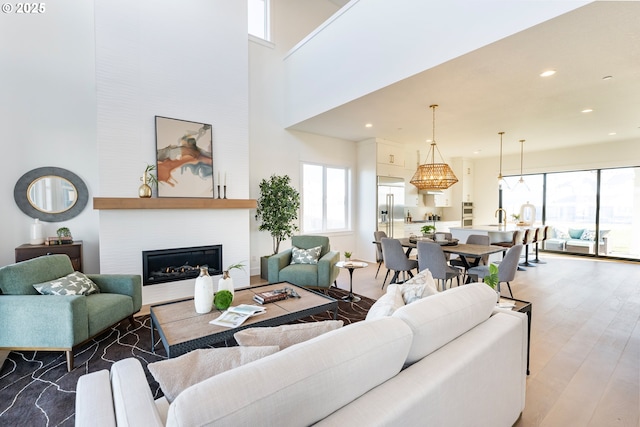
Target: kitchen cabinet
[
  {"x": 443, "y": 200},
  {"x": 390, "y": 158}
]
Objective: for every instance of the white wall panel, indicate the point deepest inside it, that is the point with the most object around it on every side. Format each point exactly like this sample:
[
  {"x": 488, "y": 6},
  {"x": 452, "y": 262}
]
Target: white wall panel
[{"x": 186, "y": 60}]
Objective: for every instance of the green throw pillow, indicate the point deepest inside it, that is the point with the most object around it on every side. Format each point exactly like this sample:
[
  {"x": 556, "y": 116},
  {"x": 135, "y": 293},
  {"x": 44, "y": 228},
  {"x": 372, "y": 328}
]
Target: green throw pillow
[
  {"x": 305, "y": 256},
  {"x": 75, "y": 283}
]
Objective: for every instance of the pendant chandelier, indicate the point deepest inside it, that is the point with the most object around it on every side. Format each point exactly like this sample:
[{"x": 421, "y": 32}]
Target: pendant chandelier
[
  {"x": 433, "y": 176},
  {"x": 501, "y": 181}
]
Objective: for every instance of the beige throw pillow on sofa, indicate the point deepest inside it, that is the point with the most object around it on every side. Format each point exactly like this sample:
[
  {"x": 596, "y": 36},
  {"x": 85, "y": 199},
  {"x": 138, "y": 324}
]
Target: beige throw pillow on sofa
[
  {"x": 419, "y": 286},
  {"x": 286, "y": 335},
  {"x": 387, "y": 304},
  {"x": 176, "y": 375}
]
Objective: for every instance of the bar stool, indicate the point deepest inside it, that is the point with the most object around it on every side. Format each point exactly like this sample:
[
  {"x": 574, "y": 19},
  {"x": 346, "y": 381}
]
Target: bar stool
[
  {"x": 529, "y": 235},
  {"x": 543, "y": 235}
]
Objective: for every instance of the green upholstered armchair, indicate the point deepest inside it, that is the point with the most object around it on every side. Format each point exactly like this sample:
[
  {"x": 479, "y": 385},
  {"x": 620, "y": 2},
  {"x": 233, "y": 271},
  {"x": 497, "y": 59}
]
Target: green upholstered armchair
[
  {"x": 31, "y": 321},
  {"x": 320, "y": 275}
]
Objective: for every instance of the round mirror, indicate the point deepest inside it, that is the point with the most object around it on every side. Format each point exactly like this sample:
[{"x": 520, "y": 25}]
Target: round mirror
[{"x": 51, "y": 194}]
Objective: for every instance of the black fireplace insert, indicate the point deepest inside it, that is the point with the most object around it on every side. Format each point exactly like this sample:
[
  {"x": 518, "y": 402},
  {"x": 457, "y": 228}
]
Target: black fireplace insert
[{"x": 169, "y": 265}]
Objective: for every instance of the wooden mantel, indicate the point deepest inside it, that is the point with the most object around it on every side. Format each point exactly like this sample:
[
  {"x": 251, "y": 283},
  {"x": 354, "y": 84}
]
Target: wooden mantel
[{"x": 171, "y": 203}]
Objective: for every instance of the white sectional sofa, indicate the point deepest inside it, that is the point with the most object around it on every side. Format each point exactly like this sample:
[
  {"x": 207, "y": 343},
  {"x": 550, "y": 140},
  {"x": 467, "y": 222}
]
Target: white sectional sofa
[{"x": 451, "y": 359}]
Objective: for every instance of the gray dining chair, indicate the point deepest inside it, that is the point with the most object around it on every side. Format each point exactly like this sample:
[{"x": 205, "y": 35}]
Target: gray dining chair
[
  {"x": 473, "y": 239},
  {"x": 396, "y": 260},
  {"x": 377, "y": 235},
  {"x": 506, "y": 268},
  {"x": 431, "y": 256}
]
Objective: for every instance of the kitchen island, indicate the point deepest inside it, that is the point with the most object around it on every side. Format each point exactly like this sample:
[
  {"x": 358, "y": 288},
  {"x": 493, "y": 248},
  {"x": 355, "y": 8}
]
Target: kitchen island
[{"x": 497, "y": 233}]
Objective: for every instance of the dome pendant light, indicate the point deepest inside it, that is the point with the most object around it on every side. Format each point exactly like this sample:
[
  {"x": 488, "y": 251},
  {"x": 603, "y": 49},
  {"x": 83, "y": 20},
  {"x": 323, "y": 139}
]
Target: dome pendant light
[{"x": 433, "y": 176}]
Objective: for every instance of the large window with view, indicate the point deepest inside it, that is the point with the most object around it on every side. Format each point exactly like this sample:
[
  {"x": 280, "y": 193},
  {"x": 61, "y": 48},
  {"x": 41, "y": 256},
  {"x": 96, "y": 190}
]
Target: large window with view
[
  {"x": 325, "y": 198},
  {"x": 595, "y": 212}
]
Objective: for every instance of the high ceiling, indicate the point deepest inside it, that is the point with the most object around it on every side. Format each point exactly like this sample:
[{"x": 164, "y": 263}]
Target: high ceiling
[{"x": 498, "y": 88}]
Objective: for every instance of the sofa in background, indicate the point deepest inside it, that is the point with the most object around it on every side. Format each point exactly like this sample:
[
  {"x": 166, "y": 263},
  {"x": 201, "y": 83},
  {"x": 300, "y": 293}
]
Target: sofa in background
[
  {"x": 302, "y": 270},
  {"x": 31, "y": 320},
  {"x": 576, "y": 240},
  {"x": 450, "y": 359}
]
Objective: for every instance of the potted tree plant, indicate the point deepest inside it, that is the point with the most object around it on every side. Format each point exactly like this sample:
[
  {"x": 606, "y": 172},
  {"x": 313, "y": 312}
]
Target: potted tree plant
[{"x": 277, "y": 209}]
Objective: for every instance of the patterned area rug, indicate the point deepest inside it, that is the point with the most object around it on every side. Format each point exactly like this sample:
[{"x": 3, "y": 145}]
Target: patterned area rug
[{"x": 36, "y": 389}]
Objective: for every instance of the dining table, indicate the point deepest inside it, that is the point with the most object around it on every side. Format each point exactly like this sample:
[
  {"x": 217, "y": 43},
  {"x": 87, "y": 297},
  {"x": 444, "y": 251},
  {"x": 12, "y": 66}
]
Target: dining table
[{"x": 465, "y": 251}]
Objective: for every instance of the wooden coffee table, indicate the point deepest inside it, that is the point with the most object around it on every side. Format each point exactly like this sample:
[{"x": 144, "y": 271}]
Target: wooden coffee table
[{"x": 181, "y": 329}]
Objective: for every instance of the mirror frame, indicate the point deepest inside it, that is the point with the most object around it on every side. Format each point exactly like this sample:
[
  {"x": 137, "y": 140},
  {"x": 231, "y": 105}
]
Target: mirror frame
[{"x": 21, "y": 196}]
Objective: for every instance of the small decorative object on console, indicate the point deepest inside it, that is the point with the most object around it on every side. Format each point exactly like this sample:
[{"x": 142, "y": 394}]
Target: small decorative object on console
[{"x": 36, "y": 233}]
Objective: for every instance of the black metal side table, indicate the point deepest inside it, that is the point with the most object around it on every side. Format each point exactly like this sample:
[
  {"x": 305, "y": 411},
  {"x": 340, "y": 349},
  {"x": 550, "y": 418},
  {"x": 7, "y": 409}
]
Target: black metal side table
[
  {"x": 351, "y": 265},
  {"x": 523, "y": 307}
]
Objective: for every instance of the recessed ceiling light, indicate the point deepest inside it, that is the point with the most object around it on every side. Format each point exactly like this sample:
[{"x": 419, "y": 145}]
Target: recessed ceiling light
[
  {"x": 477, "y": 151},
  {"x": 547, "y": 73},
  {"x": 368, "y": 125},
  {"x": 607, "y": 77},
  {"x": 612, "y": 133},
  {"x": 587, "y": 110}
]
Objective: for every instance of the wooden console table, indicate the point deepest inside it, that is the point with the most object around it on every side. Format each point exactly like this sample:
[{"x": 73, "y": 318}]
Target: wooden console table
[{"x": 73, "y": 250}]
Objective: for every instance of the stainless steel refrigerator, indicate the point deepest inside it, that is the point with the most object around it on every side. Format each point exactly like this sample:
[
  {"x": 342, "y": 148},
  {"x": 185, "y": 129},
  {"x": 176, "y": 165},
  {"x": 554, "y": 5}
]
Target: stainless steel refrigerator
[{"x": 391, "y": 215}]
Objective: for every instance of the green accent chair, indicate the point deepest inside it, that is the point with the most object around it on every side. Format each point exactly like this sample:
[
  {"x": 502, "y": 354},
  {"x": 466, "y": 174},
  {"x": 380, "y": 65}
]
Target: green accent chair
[
  {"x": 31, "y": 321},
  {"x": 319, "y": 276}
]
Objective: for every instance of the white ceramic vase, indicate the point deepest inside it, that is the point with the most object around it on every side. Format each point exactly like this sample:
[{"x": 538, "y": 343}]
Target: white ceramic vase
[
  {"x": 36, "y": 235},
  {"x": 226, "y": 283},
  {"x": 203, "y": 292}
]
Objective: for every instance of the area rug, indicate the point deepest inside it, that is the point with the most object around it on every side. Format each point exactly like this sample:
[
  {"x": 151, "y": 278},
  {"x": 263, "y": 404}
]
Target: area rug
[{"x": 36, "y": 389}]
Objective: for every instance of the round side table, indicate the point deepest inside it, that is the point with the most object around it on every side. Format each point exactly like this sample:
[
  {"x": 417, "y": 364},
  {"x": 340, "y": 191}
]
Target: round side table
[{"x": 351, "y": 265}]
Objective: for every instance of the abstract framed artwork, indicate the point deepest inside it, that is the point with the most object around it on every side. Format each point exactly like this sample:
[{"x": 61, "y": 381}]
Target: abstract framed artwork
[{"x": 184, "y": 158}]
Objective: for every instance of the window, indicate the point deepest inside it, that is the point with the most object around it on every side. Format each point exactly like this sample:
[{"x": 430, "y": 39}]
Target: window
[
  {"x": 258, "y": 13},
  {"x": 325, "y": 198},
  {"x": 592, "y": 212}
]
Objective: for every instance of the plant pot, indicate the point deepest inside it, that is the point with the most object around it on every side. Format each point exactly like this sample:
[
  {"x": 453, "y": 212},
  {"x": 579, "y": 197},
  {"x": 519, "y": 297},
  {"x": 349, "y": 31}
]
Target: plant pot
[{"x": 264, "y": 267}]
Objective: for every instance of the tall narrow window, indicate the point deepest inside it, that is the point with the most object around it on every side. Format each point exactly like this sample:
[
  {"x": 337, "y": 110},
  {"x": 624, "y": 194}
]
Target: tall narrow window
[
  {"x": 325, "y": 198},
  {"x": 258, "y": 13}
]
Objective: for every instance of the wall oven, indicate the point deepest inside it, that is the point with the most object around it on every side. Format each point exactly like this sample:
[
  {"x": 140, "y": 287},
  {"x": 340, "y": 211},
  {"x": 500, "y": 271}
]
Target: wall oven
[{"x": 467, "y": 214}]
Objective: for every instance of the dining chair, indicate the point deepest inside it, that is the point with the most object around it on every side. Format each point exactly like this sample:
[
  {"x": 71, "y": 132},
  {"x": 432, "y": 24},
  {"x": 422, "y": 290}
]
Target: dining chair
[
  {"x": 396, "y": 260},
  {"x": 377, "y": 235},
  {"x": 506, "y": 268},
  {"x": 473, "y": 239},
  {"x": 516, "y": 239},
  {"x": 431, "y": 256}
]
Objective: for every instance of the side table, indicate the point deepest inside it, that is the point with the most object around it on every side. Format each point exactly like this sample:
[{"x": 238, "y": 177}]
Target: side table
[
  {"x": 523, "y": 307},
  {"x": 351, "y": 265}
]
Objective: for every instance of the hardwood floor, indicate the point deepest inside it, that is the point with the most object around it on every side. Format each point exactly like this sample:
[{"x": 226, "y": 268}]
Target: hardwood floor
[{"x": 585, "y": 339}]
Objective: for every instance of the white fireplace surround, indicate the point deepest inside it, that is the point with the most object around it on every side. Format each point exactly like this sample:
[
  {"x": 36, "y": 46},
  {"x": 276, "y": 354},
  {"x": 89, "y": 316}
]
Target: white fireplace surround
[{"x": 126, "y": 233}]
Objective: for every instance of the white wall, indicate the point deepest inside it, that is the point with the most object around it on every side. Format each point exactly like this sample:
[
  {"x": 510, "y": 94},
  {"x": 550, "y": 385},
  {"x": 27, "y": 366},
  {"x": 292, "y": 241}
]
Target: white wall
[
  {"x": 274, "y": 150},
  {"x": 321, "y": 69},
  {"x": 186, "y": 60},
  {"x": 48, "y": 114}
]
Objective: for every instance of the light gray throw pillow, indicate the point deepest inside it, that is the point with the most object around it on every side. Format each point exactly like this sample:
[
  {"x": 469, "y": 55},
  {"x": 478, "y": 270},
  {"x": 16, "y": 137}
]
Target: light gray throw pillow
[{"x": 286, "y": 335}]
